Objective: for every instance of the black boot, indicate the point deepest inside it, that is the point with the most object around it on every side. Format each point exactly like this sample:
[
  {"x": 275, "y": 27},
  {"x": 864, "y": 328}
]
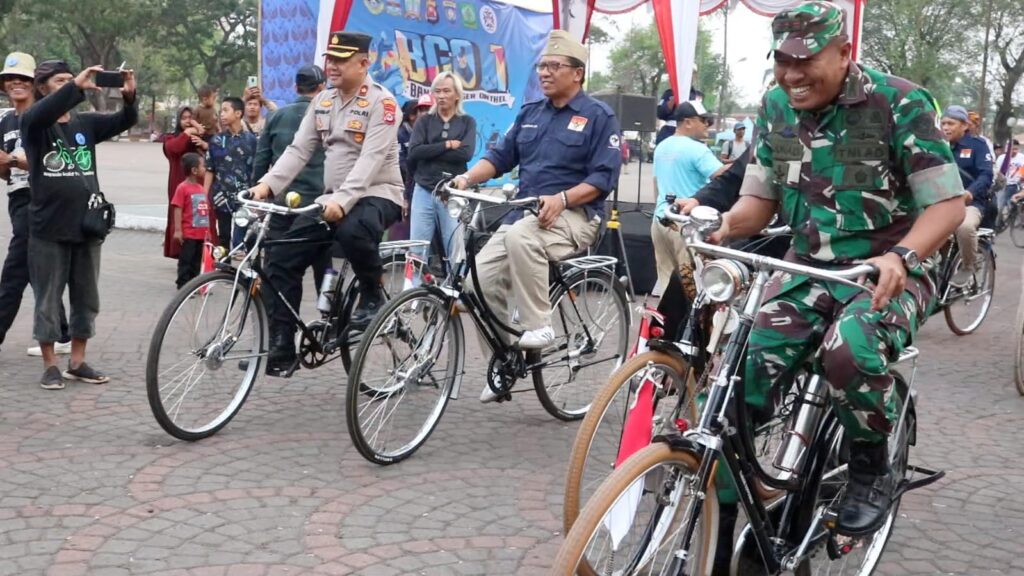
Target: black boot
[
  {"x": 370, "y": 302},
  {"x": 869, "y": 491},
  {"x": 281, "y": 359}
]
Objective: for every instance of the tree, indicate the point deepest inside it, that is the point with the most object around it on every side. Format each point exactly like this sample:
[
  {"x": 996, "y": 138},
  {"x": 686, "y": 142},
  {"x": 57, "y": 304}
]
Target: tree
[
  {"x": 638, "y": 64},
  {"x": 1007, "y": 46},
  {"x": 94, "y": 35},
  {"x": 929, "y": 42},
  {"x": 214, "y": 41}
]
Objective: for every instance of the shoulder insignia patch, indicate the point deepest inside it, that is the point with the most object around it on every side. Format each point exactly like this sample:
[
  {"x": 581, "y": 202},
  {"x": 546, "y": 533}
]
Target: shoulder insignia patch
[{"x": 390, "y": 109}]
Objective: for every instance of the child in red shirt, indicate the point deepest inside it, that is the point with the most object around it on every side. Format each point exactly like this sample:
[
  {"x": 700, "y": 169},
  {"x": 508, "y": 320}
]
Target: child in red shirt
[{"x": 191, "y": 217}]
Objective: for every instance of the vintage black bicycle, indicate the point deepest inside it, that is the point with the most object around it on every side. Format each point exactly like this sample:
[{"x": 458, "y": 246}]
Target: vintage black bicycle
[
  {"x": 210, "y": 345},
  {"x": 965, "y": 296},
  {"x": 658, "y": 514},
  {"x": 410, "y": 361}
]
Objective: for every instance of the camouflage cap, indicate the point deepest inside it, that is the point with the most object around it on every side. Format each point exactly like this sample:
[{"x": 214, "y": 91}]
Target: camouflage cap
[{"x": 803, "y": 31}]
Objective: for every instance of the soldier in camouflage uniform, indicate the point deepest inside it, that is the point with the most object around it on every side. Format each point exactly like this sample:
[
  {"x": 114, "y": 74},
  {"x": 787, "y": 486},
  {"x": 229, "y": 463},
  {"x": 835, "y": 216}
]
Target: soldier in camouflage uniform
[{"x": 855, "y": 162}]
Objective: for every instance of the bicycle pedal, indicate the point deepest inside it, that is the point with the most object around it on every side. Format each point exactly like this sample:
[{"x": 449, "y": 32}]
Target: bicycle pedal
[{"x": 285, "y": 372}]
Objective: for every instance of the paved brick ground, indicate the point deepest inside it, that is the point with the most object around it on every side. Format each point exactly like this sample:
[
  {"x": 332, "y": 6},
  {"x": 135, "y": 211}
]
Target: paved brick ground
[{"x": 89, "y": 483}]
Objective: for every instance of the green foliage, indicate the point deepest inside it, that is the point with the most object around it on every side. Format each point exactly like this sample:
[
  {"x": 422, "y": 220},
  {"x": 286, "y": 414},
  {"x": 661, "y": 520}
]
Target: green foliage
[
  {"x": 638, "y": 65},
  {"x": 174, "y": 45}
]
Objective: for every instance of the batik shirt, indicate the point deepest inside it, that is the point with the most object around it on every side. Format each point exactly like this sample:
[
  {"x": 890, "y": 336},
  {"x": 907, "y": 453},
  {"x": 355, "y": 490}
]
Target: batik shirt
[{"x": 230, "y": 159}]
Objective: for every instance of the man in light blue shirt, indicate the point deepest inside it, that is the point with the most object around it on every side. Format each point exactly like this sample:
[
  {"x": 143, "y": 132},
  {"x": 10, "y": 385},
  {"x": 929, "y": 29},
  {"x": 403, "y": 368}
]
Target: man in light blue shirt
[{"x": 682, "y": 165}]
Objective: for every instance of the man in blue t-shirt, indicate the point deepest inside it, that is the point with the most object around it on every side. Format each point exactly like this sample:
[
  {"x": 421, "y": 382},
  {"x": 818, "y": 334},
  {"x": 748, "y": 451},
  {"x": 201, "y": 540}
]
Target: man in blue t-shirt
[{"x": 682, "y": 165}]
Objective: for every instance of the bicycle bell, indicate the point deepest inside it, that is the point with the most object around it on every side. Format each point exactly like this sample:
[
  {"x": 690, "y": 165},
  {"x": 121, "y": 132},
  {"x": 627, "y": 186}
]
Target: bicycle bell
[{"x": 706, "y": 218}]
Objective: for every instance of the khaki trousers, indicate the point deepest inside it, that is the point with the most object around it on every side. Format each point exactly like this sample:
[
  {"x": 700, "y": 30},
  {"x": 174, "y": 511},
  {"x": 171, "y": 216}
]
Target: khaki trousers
[
  {"x": 513, "y": 265},
  {"x": 967, "y": 236},
  {"x": 670, "y": 254}
]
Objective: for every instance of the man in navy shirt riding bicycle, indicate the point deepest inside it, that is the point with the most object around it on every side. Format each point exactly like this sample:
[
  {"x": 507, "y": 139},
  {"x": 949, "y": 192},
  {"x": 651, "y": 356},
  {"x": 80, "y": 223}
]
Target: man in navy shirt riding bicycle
[{"x": 567, "y": 150}]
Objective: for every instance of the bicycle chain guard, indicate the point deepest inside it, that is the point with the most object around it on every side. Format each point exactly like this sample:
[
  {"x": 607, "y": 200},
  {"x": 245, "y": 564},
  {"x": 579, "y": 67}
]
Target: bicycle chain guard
[
  {"x": 309, "y": 356},
  {"x": 501, "y": 375}
]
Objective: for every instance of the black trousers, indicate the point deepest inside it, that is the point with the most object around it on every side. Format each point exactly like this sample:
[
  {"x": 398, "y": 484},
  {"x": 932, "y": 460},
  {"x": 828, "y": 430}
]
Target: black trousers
[
  {"x": 358, "y": 235},
  {"x": 190, "y": 261},
  {"x": 15, "y": 276}
]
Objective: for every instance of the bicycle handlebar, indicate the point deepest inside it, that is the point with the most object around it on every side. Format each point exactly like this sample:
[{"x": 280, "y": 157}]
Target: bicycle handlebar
[
  {"x": 311, "y": 210},
  {"x": 845, "y": 276},
  {"x": 486, "y": 198}
]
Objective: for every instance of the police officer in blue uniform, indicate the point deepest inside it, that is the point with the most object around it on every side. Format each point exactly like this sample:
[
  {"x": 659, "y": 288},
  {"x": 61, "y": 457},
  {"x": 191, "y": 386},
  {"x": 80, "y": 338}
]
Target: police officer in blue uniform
[
  {"x": 974, "y": 159},
  {"x": 567, "y": 150}
]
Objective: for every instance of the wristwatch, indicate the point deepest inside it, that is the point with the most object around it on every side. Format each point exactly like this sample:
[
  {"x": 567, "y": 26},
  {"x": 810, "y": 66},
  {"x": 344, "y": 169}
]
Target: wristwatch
[{"x": 909, "y": 257}]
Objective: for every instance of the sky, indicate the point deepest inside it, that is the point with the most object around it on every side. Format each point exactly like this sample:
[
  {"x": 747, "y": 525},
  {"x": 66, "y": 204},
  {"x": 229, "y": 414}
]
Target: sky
[{"x": 749, "y": 40}]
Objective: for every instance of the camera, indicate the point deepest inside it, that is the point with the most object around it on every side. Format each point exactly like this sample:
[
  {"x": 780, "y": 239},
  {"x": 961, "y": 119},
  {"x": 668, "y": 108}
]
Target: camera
[{"x": 109, "y": 79}]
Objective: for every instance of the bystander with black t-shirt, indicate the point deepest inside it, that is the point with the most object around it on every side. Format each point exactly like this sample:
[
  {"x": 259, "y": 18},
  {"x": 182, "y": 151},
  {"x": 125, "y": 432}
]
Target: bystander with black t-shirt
[
  {"x": 16, "y": 82},
  {"x": 60, "y": 145}
]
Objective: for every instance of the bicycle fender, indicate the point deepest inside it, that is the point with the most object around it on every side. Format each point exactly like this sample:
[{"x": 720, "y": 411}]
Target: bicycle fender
[{"x": 680, "y": 443}]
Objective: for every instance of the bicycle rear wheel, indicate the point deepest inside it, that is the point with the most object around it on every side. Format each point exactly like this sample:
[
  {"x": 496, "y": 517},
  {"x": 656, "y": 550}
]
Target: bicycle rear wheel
[
  {"x": 1016, "y": 226},
  {"x": 596, "y": 447},
  {"x": 205, "y": 355},
  {"x": 634, "y": 522},
  {"x": 591, "y": 323},
  {"x": 826, "y": 488},
  {"x": 967, "y": 310},
  {"x": 408, "y": 362}
]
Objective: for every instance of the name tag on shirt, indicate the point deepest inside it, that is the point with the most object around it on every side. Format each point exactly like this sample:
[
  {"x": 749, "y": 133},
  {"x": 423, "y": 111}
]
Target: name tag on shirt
[{"x": 965, "y": 153}]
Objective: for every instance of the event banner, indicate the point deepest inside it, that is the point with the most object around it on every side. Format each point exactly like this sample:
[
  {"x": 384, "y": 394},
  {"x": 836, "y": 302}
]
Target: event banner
[{"x": 490, "y": 46}]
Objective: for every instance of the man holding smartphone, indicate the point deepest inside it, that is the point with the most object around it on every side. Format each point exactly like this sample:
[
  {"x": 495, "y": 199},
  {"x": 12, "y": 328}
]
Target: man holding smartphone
[{"x": 356, "y": 122}]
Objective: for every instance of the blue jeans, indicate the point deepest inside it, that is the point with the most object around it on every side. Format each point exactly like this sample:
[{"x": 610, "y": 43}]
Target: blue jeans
[{"x": 427, "y": 215}]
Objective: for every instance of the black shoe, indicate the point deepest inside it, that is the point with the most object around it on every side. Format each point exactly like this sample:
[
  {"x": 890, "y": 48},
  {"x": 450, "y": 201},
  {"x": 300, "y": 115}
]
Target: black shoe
[
  {"x": 869, "y": 491},
  {"x": 281, "y": 359},
  {"x": 370, "y": 304}
]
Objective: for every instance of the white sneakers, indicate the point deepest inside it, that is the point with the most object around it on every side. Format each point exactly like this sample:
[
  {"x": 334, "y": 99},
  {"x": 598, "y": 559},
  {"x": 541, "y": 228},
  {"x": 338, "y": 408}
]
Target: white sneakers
[
  {"x": 537, "y": 339},
  {"x": 58, "y": 348}
]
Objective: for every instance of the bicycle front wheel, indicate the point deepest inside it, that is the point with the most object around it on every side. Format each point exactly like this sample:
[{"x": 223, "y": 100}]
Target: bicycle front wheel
[
  {"x": 596, "y": 448},
  {"x": 205, "y": 355},
  {"x": 634, "y": 524},
  {"x": 967, "y": 310},
  {"x": 591, "y": 323},
  {"x": 408, "y": 362}
]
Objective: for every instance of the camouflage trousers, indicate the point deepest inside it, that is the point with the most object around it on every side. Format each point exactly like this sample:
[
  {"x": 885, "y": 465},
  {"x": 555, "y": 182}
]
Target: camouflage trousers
[{"x": 850, "y": 345}]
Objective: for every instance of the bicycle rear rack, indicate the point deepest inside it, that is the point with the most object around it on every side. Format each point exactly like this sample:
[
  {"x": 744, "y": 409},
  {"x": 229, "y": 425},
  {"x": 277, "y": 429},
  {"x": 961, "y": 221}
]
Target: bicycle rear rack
[
  {"x": 590, "y": 262},
  {"x": 400, "y": 246}
]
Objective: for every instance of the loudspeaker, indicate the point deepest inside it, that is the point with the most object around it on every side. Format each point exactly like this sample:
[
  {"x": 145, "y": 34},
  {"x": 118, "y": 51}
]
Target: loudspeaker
[{"x": 635, "y": 112}]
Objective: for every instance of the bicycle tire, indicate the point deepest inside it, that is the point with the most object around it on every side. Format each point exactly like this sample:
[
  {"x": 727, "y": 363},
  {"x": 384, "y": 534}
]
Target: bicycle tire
[
  {"x": 556, "y": 403},
  {"x": 572, "y": 557},
  {"x": 1016, "y": 226},
  {"x": 987, "y": 292},
  {"x": 576, "y": 489},
  {"x": 361, "y": 394},
  {"x": 393, "y": 282},
  {"x": 202, "y": 287},
  {"x": 820, "y": 470}
]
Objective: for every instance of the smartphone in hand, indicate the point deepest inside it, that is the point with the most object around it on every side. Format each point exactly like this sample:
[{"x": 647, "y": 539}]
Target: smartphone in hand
[
  {"x": 252, "y": 82},
  {"x": 109, "y": 79}
]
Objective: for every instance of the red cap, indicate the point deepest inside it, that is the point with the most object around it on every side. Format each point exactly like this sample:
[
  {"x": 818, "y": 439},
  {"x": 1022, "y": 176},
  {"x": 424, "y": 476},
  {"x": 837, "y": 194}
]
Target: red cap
[{"x": 426, "y": 100}]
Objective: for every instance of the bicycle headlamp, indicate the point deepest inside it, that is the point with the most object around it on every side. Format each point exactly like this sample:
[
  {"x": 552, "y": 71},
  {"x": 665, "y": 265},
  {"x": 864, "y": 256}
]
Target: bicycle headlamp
[
  {"x": 242, "y": 217},
  {"x": 456, "y": 205},
  {"x": 219, "y": 252},
  {"x": 722, "y": 279}
]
